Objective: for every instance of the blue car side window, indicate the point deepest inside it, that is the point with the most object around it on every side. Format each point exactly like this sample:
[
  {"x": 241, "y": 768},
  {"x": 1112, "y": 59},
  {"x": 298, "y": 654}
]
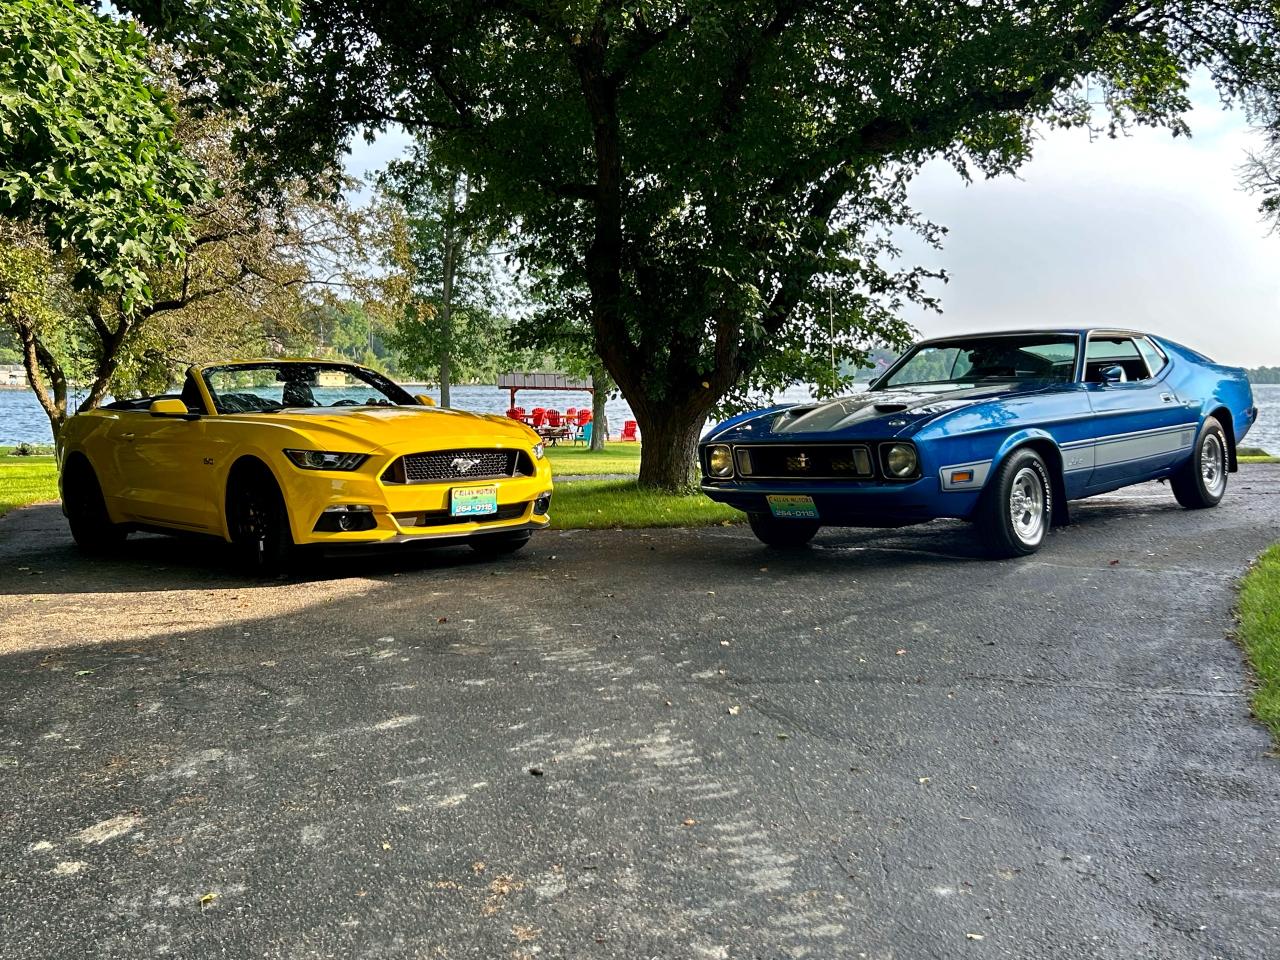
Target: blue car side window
[{"x": 1155, "y": 360}]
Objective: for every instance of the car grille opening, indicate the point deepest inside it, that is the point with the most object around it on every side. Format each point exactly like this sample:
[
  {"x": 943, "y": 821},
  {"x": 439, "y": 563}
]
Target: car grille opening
[
  {"x": 442, "y": 518},
  {"x": 815, "y": 462},
  {"x": 441, "y": 466}
]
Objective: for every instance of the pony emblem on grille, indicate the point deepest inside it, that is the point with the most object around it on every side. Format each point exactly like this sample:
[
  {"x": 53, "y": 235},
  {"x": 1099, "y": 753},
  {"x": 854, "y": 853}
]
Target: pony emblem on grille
[{"x": 463, "y": 464}]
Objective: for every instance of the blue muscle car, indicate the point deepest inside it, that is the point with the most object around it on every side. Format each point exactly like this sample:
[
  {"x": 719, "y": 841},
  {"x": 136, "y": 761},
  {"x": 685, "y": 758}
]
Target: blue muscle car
[{"x": 1001, "y": 429}]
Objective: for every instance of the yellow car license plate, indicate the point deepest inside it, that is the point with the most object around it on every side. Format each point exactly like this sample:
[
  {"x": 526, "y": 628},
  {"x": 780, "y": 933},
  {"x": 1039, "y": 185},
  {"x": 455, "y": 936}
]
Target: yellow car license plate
[
  {"x": 793, "y": 507},
  {"x": 473, "y": 501}
]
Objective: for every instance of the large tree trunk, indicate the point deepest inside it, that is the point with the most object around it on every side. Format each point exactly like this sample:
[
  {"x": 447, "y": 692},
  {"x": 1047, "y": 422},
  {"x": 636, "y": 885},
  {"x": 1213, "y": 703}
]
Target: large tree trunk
[
  {"x": 670, "y": 421},
  {"x": 670, "y": 436}
]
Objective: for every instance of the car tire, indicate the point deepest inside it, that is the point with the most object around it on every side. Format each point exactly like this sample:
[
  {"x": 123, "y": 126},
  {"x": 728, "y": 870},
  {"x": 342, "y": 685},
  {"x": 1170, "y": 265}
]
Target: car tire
[
  {"x": 499, "y": 544},
  {"x": 783, "y": 534},
  {"x": 1202, "y": 481},
  {"x": 86, "y": 510},
  {"x": 258, "y": 522},
  {"x": 1016, "y": 510}
]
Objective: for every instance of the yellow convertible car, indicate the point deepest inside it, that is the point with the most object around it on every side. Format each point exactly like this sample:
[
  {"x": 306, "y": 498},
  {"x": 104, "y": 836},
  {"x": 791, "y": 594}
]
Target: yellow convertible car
[{"x": 271, "y": 455}]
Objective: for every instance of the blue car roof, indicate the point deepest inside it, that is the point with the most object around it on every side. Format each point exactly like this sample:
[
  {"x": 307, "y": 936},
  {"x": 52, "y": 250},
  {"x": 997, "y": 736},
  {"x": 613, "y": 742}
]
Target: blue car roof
[{"x": 1069, "y": 331}]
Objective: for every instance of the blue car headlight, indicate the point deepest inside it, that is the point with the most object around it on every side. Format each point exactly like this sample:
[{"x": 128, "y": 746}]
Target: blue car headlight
[
  {"x": 719, "y": 461},
  {"x": 326, "y": 460},
  {"x": 901, "y": 460}
]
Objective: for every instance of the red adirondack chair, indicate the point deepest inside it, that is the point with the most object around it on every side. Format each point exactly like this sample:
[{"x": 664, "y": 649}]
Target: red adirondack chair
[
  {"x": 629, "y": 431},
  {"x": 553, "y": 418},
  {"x": 539, "y": 417},
  {"x": 584, "y": 417}
]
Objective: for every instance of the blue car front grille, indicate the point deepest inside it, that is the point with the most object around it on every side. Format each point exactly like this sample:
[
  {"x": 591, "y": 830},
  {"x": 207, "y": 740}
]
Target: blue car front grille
[{"x": 805, "y": 462}]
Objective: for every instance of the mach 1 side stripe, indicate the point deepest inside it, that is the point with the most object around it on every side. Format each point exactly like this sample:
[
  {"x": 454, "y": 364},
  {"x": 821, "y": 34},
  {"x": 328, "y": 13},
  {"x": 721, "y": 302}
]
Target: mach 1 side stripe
[
  {"x": 1127, "y": 447},
  {"x": 1088, "y": 454}
]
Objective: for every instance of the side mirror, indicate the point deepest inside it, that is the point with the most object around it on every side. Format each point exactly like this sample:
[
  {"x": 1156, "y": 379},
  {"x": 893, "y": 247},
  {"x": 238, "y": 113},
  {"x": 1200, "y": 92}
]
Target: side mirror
[
  {"x": 423, "y": 399},
  {"x": 1114, "y": 374},
  {"x": 168, "y": 408}
]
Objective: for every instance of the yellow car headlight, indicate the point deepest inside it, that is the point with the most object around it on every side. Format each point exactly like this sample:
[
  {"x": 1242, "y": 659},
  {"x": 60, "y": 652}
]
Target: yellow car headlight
[
  {"x": 326, "y": 460},
  {"x": 539, "y": 451},
  {"x": 901, "y": 460},
  {"x": 720, "y": 461}
]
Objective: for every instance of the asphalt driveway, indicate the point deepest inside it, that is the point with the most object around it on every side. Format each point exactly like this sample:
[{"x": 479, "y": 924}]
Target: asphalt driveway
[{"x": 655, "y": 744}]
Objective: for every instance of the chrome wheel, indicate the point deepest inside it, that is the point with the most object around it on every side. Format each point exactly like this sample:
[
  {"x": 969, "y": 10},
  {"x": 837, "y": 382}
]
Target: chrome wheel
[
  {"x": 1213, "y": 465},
  {"x": 1027, "y": 506}
]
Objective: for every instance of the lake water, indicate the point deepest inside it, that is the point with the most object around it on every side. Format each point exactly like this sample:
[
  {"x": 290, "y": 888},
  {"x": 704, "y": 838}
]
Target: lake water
[{"x": 23, "y": 421}]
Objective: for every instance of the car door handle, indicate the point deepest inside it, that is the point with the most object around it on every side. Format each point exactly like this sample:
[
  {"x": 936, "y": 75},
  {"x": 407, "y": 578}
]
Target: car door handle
[
  {"x": 127, "y": 436},
  {"x": 1168, "y": 398}
]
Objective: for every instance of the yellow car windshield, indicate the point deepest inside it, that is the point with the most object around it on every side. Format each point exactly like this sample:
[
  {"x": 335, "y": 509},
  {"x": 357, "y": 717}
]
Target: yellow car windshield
[{"x": 268, "y": 387}]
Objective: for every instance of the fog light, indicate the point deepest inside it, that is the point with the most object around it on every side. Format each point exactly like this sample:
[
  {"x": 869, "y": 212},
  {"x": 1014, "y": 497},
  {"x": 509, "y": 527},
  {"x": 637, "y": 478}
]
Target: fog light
[
  {"x": 900, "y": 460},
  {"x": 720, "y": 461},
  {"x": 542, "y": 505},
  {"x": 345, "y": 517}
]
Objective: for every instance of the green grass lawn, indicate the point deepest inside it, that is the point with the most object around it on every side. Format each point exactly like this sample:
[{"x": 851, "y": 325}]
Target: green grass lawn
[
  {"x": 1260, "y": 634},
  {"x": 26, "y": 480},
  {"x": 606, "y": 504},
  {"x": 1255, "y": 455},
  {"x": 571, "y": 461}
]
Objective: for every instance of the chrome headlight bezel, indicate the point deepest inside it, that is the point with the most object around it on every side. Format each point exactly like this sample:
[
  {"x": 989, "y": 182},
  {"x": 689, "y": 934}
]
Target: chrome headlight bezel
[
  {"x": 715, "y": 451},
  {"x": 908, "y": 461},
  {"x": 329, "y": 460}
]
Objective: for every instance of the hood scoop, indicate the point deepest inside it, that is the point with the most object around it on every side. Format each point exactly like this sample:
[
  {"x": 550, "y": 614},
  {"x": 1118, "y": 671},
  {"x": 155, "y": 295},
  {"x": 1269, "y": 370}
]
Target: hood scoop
[{"x": 890, "y": 407}]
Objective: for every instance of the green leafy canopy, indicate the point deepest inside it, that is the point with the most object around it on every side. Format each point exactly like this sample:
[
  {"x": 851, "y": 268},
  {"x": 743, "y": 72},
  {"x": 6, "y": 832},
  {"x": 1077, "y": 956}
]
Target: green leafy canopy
[
  {"x": 720, "y": 182},
  {"x": 87, "y": 151}
]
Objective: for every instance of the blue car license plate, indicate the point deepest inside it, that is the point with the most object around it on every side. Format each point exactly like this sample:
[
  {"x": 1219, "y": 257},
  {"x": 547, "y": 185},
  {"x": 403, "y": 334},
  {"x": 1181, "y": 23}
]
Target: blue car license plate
[
  {"x": 793, "y": 507},
  {"x": 473, "y": 501}
]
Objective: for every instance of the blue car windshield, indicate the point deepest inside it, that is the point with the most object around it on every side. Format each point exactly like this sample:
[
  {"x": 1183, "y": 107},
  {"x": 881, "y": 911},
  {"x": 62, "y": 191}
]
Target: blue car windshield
[{"x": 971, "y": 361}]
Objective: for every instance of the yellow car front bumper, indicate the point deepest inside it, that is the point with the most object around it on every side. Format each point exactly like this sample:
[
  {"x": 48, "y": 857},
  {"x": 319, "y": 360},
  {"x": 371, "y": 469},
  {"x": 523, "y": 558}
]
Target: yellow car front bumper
[{"x": 409, "y": 512}]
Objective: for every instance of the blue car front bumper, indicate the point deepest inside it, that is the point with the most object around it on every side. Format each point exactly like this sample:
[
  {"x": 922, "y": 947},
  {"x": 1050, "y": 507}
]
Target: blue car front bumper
[{"x": 866, "y": 504}]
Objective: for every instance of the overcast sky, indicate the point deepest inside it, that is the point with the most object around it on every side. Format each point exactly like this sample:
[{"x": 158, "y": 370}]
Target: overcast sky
[{"x": 1146, "y": 231}]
